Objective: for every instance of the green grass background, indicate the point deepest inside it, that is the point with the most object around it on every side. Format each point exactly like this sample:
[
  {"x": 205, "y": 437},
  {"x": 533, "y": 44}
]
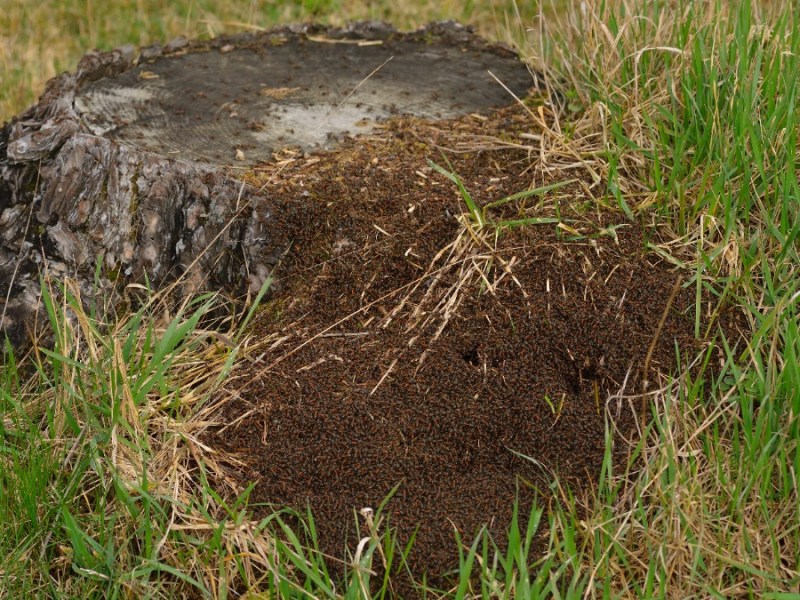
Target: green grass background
[{"x": 684, "y": 112}]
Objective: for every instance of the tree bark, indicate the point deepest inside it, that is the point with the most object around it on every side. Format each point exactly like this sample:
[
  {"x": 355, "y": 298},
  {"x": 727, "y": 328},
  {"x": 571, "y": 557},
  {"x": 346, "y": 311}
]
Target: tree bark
[{"x": 131, "y": 168}]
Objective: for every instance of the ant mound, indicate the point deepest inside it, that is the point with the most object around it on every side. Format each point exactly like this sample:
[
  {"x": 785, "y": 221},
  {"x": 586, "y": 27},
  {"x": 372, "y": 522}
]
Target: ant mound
[{"x": 452, "y": 359}]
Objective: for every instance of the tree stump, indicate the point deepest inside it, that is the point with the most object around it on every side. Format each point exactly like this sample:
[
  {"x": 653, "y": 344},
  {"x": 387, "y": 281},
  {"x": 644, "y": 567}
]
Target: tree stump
[{"x": 134, "y": 167}]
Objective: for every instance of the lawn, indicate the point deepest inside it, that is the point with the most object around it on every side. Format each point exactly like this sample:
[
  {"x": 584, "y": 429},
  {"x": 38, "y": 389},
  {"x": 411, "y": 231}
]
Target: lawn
[{"x": 684, "y": 117}]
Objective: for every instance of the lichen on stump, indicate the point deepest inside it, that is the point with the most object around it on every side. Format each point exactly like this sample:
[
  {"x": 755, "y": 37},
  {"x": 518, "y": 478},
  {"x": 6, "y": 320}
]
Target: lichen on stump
[{"x": 134, "y": 166}]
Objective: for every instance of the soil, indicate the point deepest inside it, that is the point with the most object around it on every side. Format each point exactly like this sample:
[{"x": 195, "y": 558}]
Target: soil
[{"x": 401, "y": 352}]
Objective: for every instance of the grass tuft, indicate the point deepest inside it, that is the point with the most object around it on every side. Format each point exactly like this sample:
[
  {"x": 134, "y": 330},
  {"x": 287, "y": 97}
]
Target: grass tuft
[{"x": 104, "y": 476}]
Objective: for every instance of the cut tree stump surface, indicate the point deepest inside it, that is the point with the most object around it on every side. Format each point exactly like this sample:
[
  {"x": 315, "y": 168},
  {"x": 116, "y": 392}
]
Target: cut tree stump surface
[{"x": 239, "y": 103}]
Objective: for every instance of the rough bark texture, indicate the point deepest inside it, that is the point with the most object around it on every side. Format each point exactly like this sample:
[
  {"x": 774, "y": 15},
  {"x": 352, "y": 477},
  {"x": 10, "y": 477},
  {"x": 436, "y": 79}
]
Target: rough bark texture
[{"x": 81, "y": 200}]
